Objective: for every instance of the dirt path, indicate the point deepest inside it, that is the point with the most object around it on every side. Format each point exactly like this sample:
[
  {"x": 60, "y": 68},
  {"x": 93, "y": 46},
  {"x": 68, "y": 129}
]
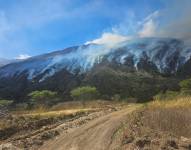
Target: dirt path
[{"x": 95, "y": 135}]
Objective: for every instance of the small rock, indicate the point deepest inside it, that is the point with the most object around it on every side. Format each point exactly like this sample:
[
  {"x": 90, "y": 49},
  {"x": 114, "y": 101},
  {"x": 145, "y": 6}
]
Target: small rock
[
  {"x": 184, "y": 139},
  {"x": 185, "y": 146},
  {"x": 155, "y": 142},
  {"x": 37, "y": 141},
  {"x": 141, "y": 142},
  {"x": 8, "y": 146},
  {"x": 128, "y": 140},
  {"x": 172, "y": 143},
  {"x": 185, "y": 143}
]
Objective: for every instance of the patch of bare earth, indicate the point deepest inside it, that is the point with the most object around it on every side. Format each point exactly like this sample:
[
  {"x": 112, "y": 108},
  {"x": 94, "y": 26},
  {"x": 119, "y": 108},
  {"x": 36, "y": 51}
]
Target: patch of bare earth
[
  {"x": 30, "y": 131},
  {"x": 97, "y": 134}
]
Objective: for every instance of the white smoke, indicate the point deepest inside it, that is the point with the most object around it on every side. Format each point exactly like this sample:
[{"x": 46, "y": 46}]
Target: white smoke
[
  {"x": 172, "y": 21},
  {"x": 109, "y": 39},
  {"x": 23, "y": 56}
]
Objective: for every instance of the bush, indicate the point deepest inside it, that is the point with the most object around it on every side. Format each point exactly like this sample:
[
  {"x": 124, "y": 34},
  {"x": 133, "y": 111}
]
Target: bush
[
  {"x": 168, "y": 95},
  {"x": 185, "y": 84},
  {"x": 84, "y": 93},
  {"x": 5, "y": 103},
  {"x": 116, "y": 97},
  {"x": 44, "y": 97},
  {"x": 185, "y": 87}
]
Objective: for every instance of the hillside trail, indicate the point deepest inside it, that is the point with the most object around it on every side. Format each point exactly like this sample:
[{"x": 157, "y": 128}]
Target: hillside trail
[{"x": 95, "y": 135}]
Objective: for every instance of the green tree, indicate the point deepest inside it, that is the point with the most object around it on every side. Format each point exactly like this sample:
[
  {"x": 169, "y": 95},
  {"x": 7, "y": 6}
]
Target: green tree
[
  {"x": 84, "y": 93},
  {"x": 44, "y": 97}
]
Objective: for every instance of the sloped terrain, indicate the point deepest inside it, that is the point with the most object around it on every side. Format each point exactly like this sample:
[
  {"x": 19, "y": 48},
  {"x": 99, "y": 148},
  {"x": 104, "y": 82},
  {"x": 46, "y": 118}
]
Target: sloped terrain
[{"x": 142, "y": 60}]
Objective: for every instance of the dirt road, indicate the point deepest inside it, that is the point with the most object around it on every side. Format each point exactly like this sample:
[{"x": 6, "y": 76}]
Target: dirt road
[{"x": 95, "y": 135}]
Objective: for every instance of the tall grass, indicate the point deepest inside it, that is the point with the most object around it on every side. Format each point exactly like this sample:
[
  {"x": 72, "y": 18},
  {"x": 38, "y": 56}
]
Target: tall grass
[
  {"x": 175, "y": 102},
  {"x": 172, "y": 116}
]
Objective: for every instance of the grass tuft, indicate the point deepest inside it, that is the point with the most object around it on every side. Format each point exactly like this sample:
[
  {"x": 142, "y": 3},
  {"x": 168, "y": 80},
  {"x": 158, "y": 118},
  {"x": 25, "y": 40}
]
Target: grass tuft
[{"x": 184, "y": 102}]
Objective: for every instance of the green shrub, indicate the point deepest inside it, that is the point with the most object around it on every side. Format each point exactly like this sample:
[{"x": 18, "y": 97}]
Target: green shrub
[
  {"x": 116, "y": 97},
  {"x": 131, "y": 100},
  {"x": 168, "y": 95},
  {"x": 84, "y": 93},
  {"x": 185, "y": 84},
  {"x": 44, "y": 97},
  {"x": 5, "y": 103},
  {"x": 185, "y": 87}
]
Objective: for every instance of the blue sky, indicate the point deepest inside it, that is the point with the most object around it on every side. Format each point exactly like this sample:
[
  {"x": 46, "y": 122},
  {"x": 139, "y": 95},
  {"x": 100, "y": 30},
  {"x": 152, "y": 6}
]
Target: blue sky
[{"x": 32, "y": 27}]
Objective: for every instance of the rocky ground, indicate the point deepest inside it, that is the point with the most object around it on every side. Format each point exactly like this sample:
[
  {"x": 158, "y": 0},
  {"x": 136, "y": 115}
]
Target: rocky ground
[{"x": 32, "y": 134}]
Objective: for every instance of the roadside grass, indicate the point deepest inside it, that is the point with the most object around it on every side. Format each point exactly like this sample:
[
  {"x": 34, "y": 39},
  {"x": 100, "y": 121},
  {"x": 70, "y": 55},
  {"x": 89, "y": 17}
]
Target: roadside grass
[
  {"x": 184, "y": 102},
  {"x": 64, "y": 107},
  {"x": 157, "y": 125},
  {"x": 51, "y": 113},
  {"x": 172, "y": 116},
  {"x": 98, "y": 104}
]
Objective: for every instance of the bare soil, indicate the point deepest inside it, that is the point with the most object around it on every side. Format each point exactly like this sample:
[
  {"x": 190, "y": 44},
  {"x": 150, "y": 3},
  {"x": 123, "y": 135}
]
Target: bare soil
[
  {"x": 31, "y": 133},
  {"x": 95, "y": 135}
]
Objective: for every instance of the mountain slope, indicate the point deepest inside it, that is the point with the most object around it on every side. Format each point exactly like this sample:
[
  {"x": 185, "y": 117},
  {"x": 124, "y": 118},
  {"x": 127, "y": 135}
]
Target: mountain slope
[
  {"x": 165, "y": 55},
  {"x": 71, "y": 67},
  {"x": 4, "y": 62}
]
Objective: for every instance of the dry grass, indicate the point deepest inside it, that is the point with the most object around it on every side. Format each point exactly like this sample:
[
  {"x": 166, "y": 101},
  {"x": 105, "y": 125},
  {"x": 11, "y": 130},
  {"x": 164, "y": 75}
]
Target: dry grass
[
  {"x": 19, "y": 119},
  {"x": 64, "y": 108},
  {"x": 173, "y": 116},
  {"x": 184, "y": 102},
  {"x": 57, "y": 113},
  {"x": 86, "y": 105}
]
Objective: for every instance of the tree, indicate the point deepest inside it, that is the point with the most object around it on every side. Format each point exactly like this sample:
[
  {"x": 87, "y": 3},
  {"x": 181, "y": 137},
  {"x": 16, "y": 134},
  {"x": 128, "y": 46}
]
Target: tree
[
  {"x": 44, "y": 97},
  {"x": 84, "y": 93}
]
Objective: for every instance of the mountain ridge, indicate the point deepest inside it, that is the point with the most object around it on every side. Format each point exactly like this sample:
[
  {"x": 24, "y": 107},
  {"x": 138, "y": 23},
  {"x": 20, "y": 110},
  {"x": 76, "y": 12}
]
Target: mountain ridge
[
  {"x": 166, "y": 54},
  {"x": 123, "y": 66}
]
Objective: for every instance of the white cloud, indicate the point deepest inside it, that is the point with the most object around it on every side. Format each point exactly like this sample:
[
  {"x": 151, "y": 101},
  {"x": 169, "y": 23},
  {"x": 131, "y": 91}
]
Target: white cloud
[
  {"x": 109, "y": 39},
  {"x": 23, "y": 56}
]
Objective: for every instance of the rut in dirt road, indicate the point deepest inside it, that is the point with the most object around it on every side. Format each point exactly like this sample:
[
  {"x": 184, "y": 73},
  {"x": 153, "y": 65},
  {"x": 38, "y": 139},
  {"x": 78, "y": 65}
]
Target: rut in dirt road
[{"x": 95, "y": 135}]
